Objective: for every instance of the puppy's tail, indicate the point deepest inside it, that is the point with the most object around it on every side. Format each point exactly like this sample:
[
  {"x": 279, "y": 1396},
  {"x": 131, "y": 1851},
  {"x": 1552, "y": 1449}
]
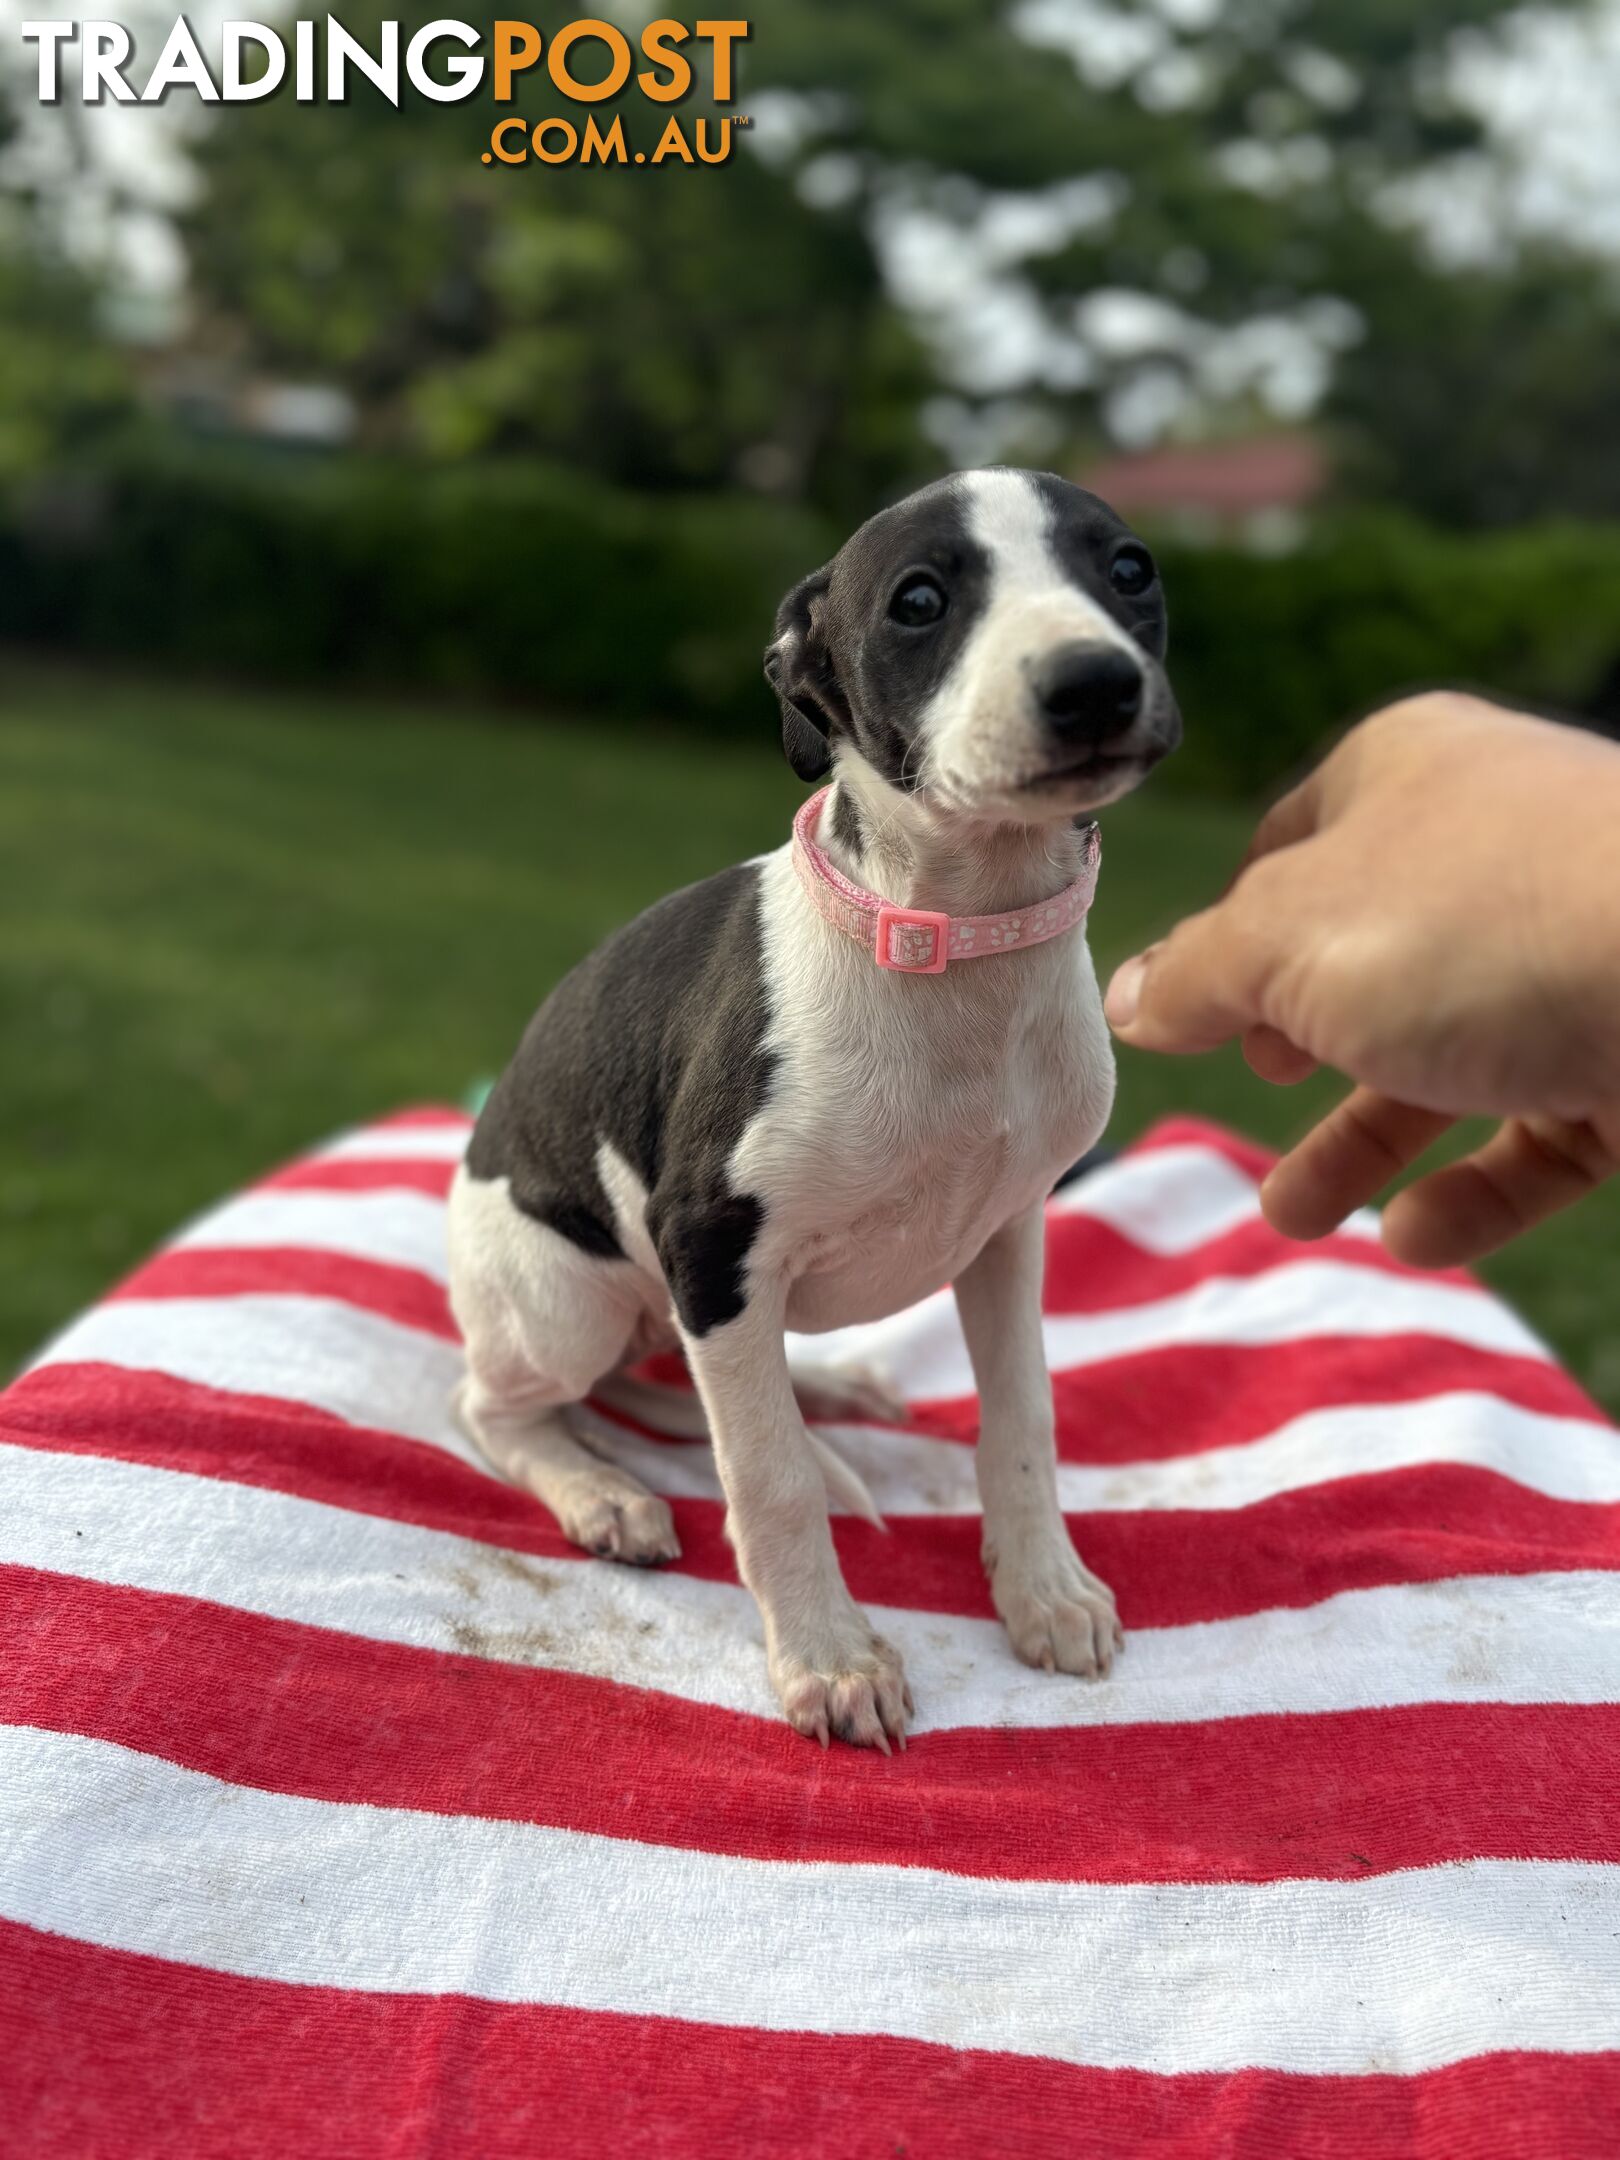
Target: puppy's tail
[
  {"x": 679, "y": 1412},
  {"x": 676, "y": 1411},
  {"x": 843, "y": 1482}
]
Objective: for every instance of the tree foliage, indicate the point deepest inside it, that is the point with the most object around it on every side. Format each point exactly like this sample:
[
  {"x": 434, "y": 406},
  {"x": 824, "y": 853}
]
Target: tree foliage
[
  {"x": 696, "y": 328},
  {"x": 675, "y": 327},
  {"x": 61, "y": 383}
]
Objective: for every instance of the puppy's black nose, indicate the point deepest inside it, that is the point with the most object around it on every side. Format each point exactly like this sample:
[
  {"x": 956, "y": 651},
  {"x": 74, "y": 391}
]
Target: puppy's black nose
[{"x": 1089, "y": 692}]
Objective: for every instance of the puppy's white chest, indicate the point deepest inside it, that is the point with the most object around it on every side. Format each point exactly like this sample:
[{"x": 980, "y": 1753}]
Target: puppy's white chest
[
  {"x": 908, "y": 1229},
  {"x": 905, "y": 1129}
]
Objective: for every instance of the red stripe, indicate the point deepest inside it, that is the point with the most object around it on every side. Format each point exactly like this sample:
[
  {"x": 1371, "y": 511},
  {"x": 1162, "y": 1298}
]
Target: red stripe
[
  {"x": 120, "y": 2055},
  {"x": 1177, "y": 1567},
  {"x": 430, "y": 1116},
  {"x": 1179, "y": 1132},
  {"x": 1174, "y": 1131},
  {"x": 1093, "y": 1267},
  {"x": 367, "y": 1174},
  {"x": 1154, "y": 1406},
  {"x": 220, "y": 1271},
  {"x": 111, "y": 2056},
  {"x": 1170, "y": 1567},
  {"x": 1187, "y": 1397},
  {"x": 287, "y": 1708},
  {"x": 1145, "y": 1406}
]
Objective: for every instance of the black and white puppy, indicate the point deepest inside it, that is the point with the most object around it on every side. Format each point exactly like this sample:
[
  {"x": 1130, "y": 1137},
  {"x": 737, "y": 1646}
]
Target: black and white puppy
[{"x": 730, "y": 1121}]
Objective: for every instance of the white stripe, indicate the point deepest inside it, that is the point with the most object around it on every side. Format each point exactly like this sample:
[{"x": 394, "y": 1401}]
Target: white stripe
[
  {"x": 1523, "y": 1639},
  {"x": 1399, "y": 1973},
  {"x": 313, "y": 1351},
  {"x": 923, "y": 1352},
  {"x": 379, "y": 1373},
  {"x": 374, "y": 1371},
  {"x": 398, "y": 1143},
  {"x": 370, "y": 1371},
  {"x": 1171, "y": 1200},
  {"x": 1564, "y": 1457},
  {"x": 922, "y": 1349},
  {"x": 400, "y": 1228},
  {"x": 911, "y": 1474}
]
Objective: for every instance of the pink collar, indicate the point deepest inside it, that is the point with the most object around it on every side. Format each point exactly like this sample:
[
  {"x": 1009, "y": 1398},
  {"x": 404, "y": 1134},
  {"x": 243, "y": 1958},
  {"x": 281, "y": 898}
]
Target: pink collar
[{"x": 917, "y": 941}]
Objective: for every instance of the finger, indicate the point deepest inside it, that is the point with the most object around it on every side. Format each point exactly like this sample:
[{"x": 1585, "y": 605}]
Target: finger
[
  {"x": 1528, "y": 1169},
  {"x": 1206, "y": 981},
  {"x": 1275, "y": 1058},
  {"x": 1342, "y": 1162},
  {"x": 1292, "y": 818}
]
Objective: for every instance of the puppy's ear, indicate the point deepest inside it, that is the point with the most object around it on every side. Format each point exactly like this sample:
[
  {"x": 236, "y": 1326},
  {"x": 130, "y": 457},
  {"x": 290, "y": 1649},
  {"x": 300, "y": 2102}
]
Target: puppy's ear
[{"x": 799, "y": 670}]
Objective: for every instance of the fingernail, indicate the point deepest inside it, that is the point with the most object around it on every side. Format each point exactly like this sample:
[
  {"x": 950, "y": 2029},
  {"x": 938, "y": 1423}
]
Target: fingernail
[{"x": 1125, "y": 992}]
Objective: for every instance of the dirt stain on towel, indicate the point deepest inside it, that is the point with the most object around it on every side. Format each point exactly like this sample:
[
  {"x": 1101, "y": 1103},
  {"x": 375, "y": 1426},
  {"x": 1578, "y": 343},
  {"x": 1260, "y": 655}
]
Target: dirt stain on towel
[{"x": 487, "y": 1568}]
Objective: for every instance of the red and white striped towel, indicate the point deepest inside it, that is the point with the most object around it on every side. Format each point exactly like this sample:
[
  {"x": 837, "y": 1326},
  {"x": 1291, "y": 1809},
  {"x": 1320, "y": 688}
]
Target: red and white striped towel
[{"x": 344, "y": 1809}]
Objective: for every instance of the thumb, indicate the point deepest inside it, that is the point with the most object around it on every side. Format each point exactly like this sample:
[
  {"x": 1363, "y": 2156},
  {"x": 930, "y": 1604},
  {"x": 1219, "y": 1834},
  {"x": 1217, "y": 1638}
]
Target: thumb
[{"x": 1203, "y": 984}]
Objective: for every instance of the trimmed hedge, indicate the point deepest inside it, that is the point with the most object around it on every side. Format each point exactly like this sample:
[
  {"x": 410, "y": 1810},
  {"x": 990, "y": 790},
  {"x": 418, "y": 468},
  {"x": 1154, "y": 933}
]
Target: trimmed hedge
[
  {"x": 516, "y": 580},
  {"x": 1273, "y": 655},
  {"x": 535, "y": 584}
]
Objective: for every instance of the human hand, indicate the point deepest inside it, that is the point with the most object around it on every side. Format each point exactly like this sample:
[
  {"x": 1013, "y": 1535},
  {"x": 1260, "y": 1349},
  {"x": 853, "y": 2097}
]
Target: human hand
[{"x": 1436, "y": 913}]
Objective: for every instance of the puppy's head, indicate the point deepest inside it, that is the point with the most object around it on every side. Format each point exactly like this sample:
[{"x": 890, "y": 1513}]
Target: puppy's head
[{"x": 993, "y": 643}]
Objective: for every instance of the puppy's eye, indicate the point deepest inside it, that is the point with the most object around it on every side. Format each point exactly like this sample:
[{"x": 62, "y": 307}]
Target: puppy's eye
[
  {"x": 918, "y": 601},
  {"x": 1131, "y": 572}
]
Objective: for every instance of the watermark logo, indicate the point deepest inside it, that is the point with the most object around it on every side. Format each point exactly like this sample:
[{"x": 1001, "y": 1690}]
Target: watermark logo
[{"x": 585, "y": 65}]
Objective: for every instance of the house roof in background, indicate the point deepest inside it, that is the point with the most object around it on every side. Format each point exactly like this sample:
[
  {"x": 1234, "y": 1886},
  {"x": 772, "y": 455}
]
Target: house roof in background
[{"x": 1226, "y": 479}]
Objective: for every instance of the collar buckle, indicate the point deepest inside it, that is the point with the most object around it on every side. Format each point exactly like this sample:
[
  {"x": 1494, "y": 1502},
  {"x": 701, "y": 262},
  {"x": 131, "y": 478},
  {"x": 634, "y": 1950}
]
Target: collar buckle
[{"x": 912, "y": 941}]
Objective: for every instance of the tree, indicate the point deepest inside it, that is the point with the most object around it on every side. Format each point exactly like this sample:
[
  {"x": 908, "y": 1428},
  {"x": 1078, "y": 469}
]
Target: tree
[
  {"x": 1094, "y": 213},
  {"x": 674, "y": 328},
  {"x": 61, "y": 383},
  {"x": 1487, "y": 396}
]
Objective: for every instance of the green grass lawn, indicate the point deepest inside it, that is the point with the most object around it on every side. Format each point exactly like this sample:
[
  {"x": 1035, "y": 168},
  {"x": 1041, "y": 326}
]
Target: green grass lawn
[{"x": 233, "y": 923}]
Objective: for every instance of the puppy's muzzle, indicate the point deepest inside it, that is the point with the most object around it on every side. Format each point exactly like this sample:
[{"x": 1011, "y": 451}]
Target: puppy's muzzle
[
  {"x": 1097, "y": 702},
  {"x": 1088, "y": 694}
]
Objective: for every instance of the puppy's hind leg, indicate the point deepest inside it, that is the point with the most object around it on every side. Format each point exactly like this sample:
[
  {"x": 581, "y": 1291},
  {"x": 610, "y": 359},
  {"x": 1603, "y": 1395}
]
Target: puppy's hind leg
[
  {"x": 681, "y": 1414},
  {"x": 526, "y": 1437},
  {"x": 826, "y": 1395},
  {"x": 542, "y": 1320}
]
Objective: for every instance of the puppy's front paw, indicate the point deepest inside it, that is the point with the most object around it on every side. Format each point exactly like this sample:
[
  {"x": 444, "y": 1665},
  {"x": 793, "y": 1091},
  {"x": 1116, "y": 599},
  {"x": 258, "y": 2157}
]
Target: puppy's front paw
[
  {"x": 1057, "y": 1614},
  {"x": 617, "y": 1519},
  {"x": 858, "y": 1693}
]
